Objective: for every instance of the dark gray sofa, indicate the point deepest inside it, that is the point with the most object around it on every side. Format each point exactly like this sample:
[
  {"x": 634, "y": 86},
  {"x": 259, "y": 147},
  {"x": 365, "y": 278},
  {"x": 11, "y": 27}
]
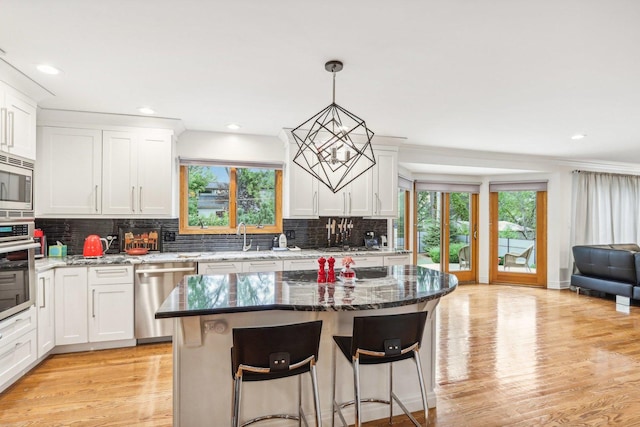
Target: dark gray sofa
[{"x": 613, "y": 269}]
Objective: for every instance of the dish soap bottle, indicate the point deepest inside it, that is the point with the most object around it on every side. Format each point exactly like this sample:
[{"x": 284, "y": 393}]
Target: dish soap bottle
[{"x": 282, "y": 242}]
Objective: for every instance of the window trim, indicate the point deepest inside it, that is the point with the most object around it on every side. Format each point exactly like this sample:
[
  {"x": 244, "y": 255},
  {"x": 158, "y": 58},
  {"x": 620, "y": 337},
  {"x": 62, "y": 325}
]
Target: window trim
[{"x": 251, "y": 229}]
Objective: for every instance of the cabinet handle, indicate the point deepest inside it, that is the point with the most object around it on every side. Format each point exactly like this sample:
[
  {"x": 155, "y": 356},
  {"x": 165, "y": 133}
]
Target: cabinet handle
[
  {"x": 349, "y": 203},
  {"x": 111, "y": 271},
  {"x": 133, "y": 208},
  {"x": 140, "y": 199},
  {"x": 344, "y": 203},
  {"x": 10, "y": 120},
  {"x": 96, "y": 197},
  {"x": 93, "y": 303},
  {"x": 44, "y": 303},
  {"x": 3, "y": 125},
  {"x": 375, "y": 211},
  {"x": 315, "y": 202}
]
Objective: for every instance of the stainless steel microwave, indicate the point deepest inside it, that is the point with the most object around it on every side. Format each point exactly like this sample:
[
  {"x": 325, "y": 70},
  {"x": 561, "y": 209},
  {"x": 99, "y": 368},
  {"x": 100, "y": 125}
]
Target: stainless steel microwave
[{"x": 16, "y": 183}]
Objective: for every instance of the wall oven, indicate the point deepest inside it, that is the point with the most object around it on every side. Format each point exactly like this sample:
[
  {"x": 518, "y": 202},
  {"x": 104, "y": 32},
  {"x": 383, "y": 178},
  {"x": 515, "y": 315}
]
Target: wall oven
[
  {"x": 17, "y": 267},
  {"x": 16, "y": 186}
]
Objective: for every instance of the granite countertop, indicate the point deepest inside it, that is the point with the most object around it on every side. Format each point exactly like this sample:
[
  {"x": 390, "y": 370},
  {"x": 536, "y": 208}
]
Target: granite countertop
[
  {"x": 78, "y": 260},
  {"x": 374, "y": 288}
]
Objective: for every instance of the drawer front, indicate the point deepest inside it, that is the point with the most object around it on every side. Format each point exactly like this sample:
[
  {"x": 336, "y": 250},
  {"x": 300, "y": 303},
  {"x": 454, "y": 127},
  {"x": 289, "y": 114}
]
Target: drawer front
[
  {"x": 219, "y": 267},
  {"x": 16, "y": 355},
  {"x": 397, "y": 260},
  {"x": 261, "y": 266},
  {"x": 110, "y": 275},
  {"x": 366, "y": 261},
  {"x": 17, "y": 325},
  {"x": 300, "y": 264}
]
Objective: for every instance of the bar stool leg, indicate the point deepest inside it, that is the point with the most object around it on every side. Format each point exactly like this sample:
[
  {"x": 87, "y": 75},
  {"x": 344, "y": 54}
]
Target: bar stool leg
[
  {"x": 316, "y": 396},
  {"x": 235, "y": 404},
  {"x": 300, "y": 416},
  {"x": 416, "y": 357},
  {"x": 390, "y": 393},
  {"x": 356, "y": 380}
]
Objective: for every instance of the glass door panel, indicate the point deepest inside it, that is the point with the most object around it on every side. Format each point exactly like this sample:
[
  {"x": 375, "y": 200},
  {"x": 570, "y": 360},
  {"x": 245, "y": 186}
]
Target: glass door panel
[{"x": 429, "y": 228}]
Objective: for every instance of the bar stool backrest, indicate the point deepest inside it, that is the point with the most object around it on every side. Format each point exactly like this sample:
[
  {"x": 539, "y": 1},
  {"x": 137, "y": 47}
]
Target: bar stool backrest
[
  {"x": 372, "y": 332},
  {"x": 254, "y": 346}
]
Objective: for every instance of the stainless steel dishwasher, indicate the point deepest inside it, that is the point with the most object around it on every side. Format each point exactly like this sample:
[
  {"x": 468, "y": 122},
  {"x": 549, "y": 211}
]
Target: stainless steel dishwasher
[{"x": 153, "y": 283}]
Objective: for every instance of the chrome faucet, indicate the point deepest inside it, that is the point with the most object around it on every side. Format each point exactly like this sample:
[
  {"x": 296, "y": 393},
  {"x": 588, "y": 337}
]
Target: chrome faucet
[{"x": 243, "y": 226}]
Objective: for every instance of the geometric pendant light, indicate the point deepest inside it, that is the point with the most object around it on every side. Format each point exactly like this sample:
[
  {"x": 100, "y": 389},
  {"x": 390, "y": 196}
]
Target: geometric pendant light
[{"x": 334, "y": 145}]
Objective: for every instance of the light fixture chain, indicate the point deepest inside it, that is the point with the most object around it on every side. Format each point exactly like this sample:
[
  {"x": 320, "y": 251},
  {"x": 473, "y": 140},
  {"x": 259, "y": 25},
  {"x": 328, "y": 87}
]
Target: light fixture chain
[{"x": 334, "y": 87}]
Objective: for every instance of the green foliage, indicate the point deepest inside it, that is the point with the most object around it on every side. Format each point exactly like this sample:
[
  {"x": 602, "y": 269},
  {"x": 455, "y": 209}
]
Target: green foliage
[
  {"x": 519, "y": 207},
  {"x": 431, "y": 239},
  {"x": 199, "y": 179},
  {"x": 256, "y": 189},
  {"x": 454, "y": 249}
]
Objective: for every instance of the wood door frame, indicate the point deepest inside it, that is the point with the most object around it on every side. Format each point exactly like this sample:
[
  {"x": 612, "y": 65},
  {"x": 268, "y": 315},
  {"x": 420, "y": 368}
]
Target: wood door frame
[{"x": 540, "y": 277}]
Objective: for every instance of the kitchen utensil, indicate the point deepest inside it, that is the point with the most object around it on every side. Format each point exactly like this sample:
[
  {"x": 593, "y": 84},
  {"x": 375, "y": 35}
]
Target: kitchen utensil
[
  {"x": 93, "y": 246},
  {"x": 137, "y": 251}
]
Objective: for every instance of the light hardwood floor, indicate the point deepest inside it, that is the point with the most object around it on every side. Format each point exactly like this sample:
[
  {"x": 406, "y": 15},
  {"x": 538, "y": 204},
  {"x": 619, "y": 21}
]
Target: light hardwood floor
[{"x": 507, "y": 356}]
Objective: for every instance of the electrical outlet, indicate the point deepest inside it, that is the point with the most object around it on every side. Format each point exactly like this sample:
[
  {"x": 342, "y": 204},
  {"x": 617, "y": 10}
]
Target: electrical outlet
[
  {"x": 169, "y": 236},
  {"x": 290, "y": 234}
]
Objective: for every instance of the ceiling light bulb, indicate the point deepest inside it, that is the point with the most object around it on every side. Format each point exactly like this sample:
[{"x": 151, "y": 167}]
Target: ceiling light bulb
[
  {"x": 48, "y": 69},
  {"x": 578, "y": 136},
  {"x": 233, "y": 126},
  {"x": 146, "y": 110}
]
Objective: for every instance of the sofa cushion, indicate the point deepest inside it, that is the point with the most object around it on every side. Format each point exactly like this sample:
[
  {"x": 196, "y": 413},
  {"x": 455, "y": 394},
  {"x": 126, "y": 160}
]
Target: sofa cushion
[{"x": 613, "y": 264}]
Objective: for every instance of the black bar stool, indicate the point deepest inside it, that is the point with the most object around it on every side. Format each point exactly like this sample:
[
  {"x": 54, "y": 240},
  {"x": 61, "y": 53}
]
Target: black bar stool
[
  {"x": 377, "y": 340},
  {"x": 268, "y": 353}
]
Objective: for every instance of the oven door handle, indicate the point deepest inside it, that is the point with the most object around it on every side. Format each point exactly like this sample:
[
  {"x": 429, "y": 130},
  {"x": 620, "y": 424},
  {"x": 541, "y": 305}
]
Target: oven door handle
[{"x": 12, "y": 247}]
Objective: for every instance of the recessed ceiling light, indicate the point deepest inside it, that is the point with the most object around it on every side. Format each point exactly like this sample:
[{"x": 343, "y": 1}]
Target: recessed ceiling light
[
  {"x": 578, "y": 136},
  {"x": 146, "y": 110},
  {"x": 233, "y": 126},
  {"x": 48, "y": 69}
]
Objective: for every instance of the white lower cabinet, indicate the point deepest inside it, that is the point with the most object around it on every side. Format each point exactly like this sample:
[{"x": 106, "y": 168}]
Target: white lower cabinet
[
  {"x": 18, "y": 345},
  {"x": 110, "y": 303},
  {"x": 70, "y": 301},
  {"x": 93, "y": 304},
  {"x": 46, "y": 312}
]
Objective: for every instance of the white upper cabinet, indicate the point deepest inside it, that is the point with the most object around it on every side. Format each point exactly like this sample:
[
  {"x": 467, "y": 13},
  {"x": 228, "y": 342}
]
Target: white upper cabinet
[
  {"x": 86, "y": 172},
  {"x": 68, "y": 176},
  {"x": 301, "y": 190},
  {"x": 17, "y": 123},
  {"x": 385, "y": 184},
  {"x": 137, "y": 173},
  {"x": 355, "y": 199}
]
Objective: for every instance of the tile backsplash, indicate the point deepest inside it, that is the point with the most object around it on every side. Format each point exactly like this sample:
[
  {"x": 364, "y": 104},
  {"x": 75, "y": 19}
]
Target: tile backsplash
[{"x": 309, "y": 233}]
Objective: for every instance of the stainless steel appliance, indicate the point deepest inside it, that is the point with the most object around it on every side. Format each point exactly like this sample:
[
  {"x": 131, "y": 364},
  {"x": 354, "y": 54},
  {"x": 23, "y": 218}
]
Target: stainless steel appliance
[
  {"x": 16, "y": 186},
  {"x": 152, "y": 284},
  {"x": 17, "y": 267}
]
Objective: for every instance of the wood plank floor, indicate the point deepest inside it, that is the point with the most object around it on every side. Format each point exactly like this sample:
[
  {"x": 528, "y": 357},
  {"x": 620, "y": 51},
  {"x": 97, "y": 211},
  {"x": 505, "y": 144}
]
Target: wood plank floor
[{"x": 507, "y": 356}]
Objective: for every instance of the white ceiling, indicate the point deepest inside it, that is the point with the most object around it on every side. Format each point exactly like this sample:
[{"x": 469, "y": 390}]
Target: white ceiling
[{"x": 507, "y": 76}]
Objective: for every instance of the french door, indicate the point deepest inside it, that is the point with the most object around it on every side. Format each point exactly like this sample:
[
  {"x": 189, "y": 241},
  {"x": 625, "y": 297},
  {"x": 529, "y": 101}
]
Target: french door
[
  {"x": 518, "y": 230},
  {"x": 446, "y": 234}
]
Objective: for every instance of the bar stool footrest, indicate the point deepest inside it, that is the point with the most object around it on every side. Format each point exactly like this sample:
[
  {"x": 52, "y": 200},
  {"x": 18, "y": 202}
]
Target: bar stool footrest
[{"x": 269, "y": 417}]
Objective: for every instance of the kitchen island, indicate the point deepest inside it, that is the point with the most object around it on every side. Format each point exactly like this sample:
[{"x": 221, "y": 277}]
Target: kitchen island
[{"x": 206, "y": 308}]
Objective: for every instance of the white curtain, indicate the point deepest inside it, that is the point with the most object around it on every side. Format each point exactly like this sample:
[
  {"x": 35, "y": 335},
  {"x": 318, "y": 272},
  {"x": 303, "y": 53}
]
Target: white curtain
[{"x": 605, "y": 208}]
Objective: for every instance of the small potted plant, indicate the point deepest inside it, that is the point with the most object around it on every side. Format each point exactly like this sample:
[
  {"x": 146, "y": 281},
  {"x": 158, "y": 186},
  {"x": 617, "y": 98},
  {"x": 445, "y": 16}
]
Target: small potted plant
[{"x": 347, "y": 274}]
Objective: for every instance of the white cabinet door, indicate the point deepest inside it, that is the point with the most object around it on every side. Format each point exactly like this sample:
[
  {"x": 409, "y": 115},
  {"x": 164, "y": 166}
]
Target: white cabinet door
[
  {"x": 385, "y": 185},
  {"x": 301, "y": 190},
  {"x": 137, "y": 173},
  {"x": 18, "y": 126},
  {"x": 222, "y": 267},
  {"x": 155, "y": 174},
  {"x": 110, "y": 312},
  {"x": 355, "y": 199},
  {"x": 69, "y": 172},
  {"x": 70, "y": 301},
  {"x": 119, "y": 160},
  {"x": 46, "y": 312},
  {"x": 110, "y": 303}
]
